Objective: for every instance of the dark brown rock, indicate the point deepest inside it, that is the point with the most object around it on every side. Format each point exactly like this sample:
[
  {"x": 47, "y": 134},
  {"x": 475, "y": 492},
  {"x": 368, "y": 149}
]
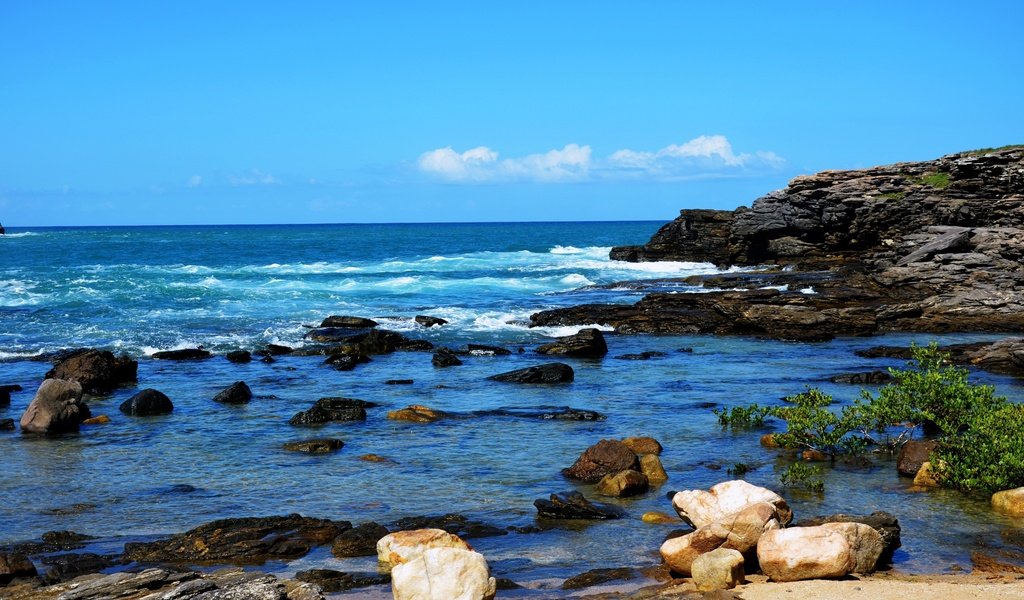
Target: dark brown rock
[
  {"x": 696, "y": 235},
  {"x": 250, "y": 540},
  {"x": 546, "y": 373},
  {"x": 6, "y": 424},
  {"x": 146, "y": 403},
  {"x": 587, "y": 343},
  {"x": 278, "y": 350},
  {"x": 599, "y": 576},
  {"x": 452, "y": 523},
  {"x": 606, "y": 457},
  {"x": 359, "y": 541},
  {"x": 572, "y": 505},
  {"x": 346, "y": 362},
  {"x": 868, "y": 377},
  {"x": 236, "y": 393},
  {"x": 99, "y": 371},
  {"x": 913, "y": 454},
  {"x": 330, "y": 580},
  {"x": 315, "y": 446},
  {"x": 14, "y": 566}
]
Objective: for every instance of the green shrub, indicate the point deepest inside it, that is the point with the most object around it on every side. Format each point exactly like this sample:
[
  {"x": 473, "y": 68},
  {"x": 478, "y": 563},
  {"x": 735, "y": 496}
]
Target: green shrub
[
  {"x": 742, "y": 416},
  {"x": 800, "y": 475},
  {"x": 987, "y": 457},
  {"x": 811, "y": 425}
]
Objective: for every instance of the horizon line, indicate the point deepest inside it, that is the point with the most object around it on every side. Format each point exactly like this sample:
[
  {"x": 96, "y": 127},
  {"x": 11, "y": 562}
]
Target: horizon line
[{"x": 325, "y": 224}]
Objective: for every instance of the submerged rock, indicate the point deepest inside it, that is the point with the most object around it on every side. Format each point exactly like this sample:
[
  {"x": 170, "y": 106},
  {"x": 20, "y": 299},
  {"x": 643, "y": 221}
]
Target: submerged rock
[
  {"x": 485, "y": 350},
  {"x": 13, "y": 566},
  {"x": 185, "y": 354},
  {"x": 146, "y": 403},
  {"x": 546, "y": 373},
  {"x": 236, "y": 393},
  {"x": 445, "y": 357},
  {"x": 326, "y": 410},
  {"x": 868, "y": 377},
  {"x": 98, "y": 371},
  {"x": 623, "y": 484},
  {"x": 56, "y": 408},
  {"x": 315, "y": 446},
  {"x": 598, "y": 576},
  {"x": 250, "y": 540},
  {"x": 452, "y": 523},
  {"x": 573, "y": 505},
  {"x": 346, "y": 362},
  {"x": 587, "y": 343}
]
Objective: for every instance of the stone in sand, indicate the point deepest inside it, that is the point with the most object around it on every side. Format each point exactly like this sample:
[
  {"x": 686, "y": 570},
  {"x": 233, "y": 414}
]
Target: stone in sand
[
  {"x": 825, "y": 551},
  {"x": 720, "y": 569}
]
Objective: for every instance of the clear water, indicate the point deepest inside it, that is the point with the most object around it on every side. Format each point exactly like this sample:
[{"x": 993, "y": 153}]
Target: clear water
[{"x": 140, "y": 290}]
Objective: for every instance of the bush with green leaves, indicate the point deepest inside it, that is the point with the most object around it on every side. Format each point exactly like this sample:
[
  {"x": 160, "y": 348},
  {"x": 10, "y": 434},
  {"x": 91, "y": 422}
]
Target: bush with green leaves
[
  {"x": 800, "y": 475},
  {"x": 811, "y": 425},
  {"x": 988, "y": 456},
  {"x": 738, "y": 417}
]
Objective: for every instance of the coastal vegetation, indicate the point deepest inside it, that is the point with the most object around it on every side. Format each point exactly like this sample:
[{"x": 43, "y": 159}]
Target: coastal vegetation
[{"x": 979, "y": 446}]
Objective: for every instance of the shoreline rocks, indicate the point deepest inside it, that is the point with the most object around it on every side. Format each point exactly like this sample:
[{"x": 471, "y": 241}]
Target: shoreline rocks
[{"x": 56, "y": 408}]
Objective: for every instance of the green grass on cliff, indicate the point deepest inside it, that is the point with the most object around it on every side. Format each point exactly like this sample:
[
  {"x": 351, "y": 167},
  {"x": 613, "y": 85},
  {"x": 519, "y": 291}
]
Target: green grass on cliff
[{"x": 981, "y": 151}]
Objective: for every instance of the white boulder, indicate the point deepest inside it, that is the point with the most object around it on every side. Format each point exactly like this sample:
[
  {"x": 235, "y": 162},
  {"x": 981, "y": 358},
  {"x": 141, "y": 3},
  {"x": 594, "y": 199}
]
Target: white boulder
[
  {"x": 700, "y": 508},
  {"x": 443, "y": 574},
  {"x": 825, "y": 551},
  {"x": 402, "y": 546}
]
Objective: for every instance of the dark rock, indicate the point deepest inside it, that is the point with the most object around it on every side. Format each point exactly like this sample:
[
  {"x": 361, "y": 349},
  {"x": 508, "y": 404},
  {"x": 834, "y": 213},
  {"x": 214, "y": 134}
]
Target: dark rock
[
  {"x": 572, "y": 505},
  {"x": 250, "y": 540},
  {"x": 236, "y": 393},
  {"x": 330, "y": 580},
  {"x": 99, "y": 371},
  {"x": 415, "y": 346},
  {"x": 868, "y": 377},
  {"x": 884, "y": 523},
  {"x": 11, "y": 387},
  {"x": 344, "y": 322},
  {"x": 326, "y": 410},
  {"x": 428, "y": 321},
  {"x": 399, "y": 382},
  {"x": 56, "y": 408},
  {"x": 546, "y": 373},
  {"x": 6, "y": 424},
  {"x": 606, "y": 457},
  {"x": 599, "y": 576},
  {"x": 346, "y": 362},
  {"x": 359, "y": 541},
  {"x": 239, "y": 356},
  {"x": 5, "y": 394},
  {"x": 548, "y": 413},
  {"x": 587, "y": 343},
  {"x": 485, "y": 350},
  {"x": 640, "y": 356},
  {"x": 315, "y": 446},
  {"x": 376, "y": 341},
  {"x": 65, "y": 567},
  {"x": 452, "y": 523},
  {"x": 185, "y": 354},
  {"x": 504, "y": 583},
  {"x": 913, "y": 454},
  {"x": 696, "y": 235},
  {"x": 146, "y": 403},
  {"x": 445, "y": 357},
  {"x": 329, "y": 335},
  {"x": 14, "y": 566},
  {"x": 279, "y": 350}
]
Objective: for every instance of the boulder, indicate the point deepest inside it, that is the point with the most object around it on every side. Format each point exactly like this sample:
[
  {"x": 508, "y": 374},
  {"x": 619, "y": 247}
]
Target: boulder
[
  {"x": 452, "y": 523},
  {"x": 603, "y": 458},
  {"x": 249, "y": 541},
  {"x": 402, "y": 546},
  {"x": 236, "y": 393},
  {"x": 445, "y": 357},
  {"x": 825, "y": 551},
  {"x": 315, "y": 446},
  {"x": 98, "y": 371},
  {"x": 399, "y": 382},
  {"x": 739, "y": 531},
  {"x": 146, "y": 403},
  {"x": 56, "y": 408},
  {"x": 5, "y": 393},
  {"x": 13, "y": 566},
  {"x": 65, "y": 567},
  {"x": 6, "y": 424},
  {"x": 720, "y": 569},
  {"x": 361, "y": 540},
  {"x": 913, "y": 454},
  {"x": 623, "y": 484},
  {"x": 417, "y": 414},
  {"x": 650, "y": 465},
  {"x": 327, "y": 410},
  {"x": 1009, "y": 502},
  {"x": 546, "y": 373},
  {"x": 239, "y": 356},
  {"x": 886, "y": 524},
  {"x": 643, "y": 445},
  {"x": 572, "y": 505},
  {"x": 428, "y": 321},
  {"x": 278, "y": 350},
  {"x": 443, "y": 574},
  {"x": 346, "y": 362},
  {"x": 925, "y": 476},
  {"x": 375, "y": 341},
  {"x": 699, "y": 507},
  {"x": 485, "y": 350},
  {"x": 587, "y": 343},
  {"x": 185, "y": 354},
  {"x": 346, "y": 322}
]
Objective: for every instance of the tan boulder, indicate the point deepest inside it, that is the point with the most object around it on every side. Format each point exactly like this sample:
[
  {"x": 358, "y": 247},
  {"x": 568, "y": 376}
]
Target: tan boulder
[
  {"x": 720, "y": 569},
  {"x": 416, "y": 413},
  {"x": 56, "y": 408},
  {"x": 1010, "y": 502},
  {"x": 656, "y": 517},
  {"x": 926, "y": 476},
  {"x": 700, "y": 508},
  {"x": 739, "y": 531},
  {"x": 622, "y": 484},
  {"x": 650, "y": 465},
  {"x": 643, "y": 445},
  {"x": 824, "y": 551},
  {"x": 443, "y": 574},
  {"x": 402, "y": 546}
]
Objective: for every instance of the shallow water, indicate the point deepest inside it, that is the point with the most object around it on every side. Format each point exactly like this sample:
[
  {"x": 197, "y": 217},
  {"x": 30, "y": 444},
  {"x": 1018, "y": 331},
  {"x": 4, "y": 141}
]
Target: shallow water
[{"x": 139, "y": 477}]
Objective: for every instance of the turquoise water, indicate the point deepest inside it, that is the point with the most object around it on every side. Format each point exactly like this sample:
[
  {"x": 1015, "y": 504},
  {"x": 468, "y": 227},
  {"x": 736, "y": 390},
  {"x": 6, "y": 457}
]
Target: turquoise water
[{"x": 140, "y": 290}]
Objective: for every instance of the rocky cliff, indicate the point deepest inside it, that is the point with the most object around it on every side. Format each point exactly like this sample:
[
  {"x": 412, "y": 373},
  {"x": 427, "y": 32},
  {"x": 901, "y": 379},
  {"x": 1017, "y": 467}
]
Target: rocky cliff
[{"x": 928, "y": 246}]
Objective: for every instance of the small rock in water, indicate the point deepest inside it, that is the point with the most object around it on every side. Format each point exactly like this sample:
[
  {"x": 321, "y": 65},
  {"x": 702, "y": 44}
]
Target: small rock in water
[
  {"x": 97, "y": 420},
  {"x": 869, "y": 377},
  {"x": 603, "y": 458},
  {"x": 452, "y": 523},
  {"x": 326, "y": 410},
  {"x": 347, "y": 322},
  {"x": 279, "y": 350},
  {"x": 6, "y": 424},
  {"x": 359, "y": 541},
  {"x": 330, "y": 580},
  {"x": 588, "y": 343},
  {"x": 598, "y": 576},
  {"x": 660, "y": 518},
  {"x": 146, "y": 403},
  {"x": 622, "y": 484},
  {"x": 484, "y": 350},
  {"x": 375, "y": 458},
  {"x": 417, "y": 414},
  {"x": 346, "y": 362},
  {"x": 445, "y": 357},
  {"x": 236, "y": 393},
  {"x": 428, "y": 321},
  {"x": 98, "y": 371},
  {"x": 315, "y": 446},
  {"x": 399, "y": 382},
  {"x": 239, "y": 356},
  {"x": 572, "y": 505},
  {"x": 643, "y": 445},
  {"x": 186, "y": 354},
  {"x": 546, "y": 373}
]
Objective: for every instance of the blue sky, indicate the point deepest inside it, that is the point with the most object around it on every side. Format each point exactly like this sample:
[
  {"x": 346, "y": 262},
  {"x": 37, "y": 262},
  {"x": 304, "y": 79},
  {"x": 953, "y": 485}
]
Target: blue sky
[{"x": 221, "y": 112}]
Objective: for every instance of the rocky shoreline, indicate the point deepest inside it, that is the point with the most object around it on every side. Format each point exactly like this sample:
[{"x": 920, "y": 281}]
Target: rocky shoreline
[{"x": 933, "y": 246}]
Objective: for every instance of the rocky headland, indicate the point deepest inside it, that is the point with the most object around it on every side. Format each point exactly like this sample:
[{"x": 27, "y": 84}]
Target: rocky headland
[{"x": 932, "y": 246}]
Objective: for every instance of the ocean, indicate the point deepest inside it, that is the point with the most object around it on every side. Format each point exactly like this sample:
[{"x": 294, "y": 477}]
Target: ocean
[{"x": 139, "y": 290}]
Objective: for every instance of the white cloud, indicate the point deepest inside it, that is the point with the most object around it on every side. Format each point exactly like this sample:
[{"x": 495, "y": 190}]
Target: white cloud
[
  {"x": 194, "y": 181},
  {"x": 702, "y": 157},
  {"x": 253, "y": 177}
]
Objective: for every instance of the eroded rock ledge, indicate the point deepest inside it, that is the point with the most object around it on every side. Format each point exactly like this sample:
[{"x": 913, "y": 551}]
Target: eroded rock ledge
[{"x": 932, "y": 246}]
